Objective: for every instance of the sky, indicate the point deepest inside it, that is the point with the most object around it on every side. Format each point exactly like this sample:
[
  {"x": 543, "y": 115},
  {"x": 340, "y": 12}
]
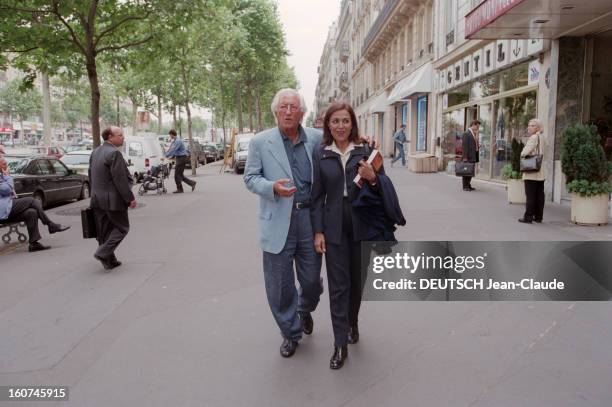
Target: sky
[{"x": 306, "y": 24}]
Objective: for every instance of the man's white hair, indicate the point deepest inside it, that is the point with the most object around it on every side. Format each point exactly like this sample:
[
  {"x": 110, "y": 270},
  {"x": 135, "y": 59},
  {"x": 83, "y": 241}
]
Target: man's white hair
[
  {"x": 537, "y": 122},
  {"x": 287, "y": 91}
]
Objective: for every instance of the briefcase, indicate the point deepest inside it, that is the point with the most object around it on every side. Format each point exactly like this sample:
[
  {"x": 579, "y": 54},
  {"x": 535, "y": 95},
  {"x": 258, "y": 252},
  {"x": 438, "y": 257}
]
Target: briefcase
[
  {"x": 463, "y": 169},
  {"x": 88, "y": 221}
]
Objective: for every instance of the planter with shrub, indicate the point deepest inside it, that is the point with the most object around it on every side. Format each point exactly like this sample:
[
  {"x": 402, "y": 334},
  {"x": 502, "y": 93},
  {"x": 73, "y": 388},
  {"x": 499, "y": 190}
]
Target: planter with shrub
[
  {"x": 587, "y": 173},
  {"x": 510, "y": 172}
]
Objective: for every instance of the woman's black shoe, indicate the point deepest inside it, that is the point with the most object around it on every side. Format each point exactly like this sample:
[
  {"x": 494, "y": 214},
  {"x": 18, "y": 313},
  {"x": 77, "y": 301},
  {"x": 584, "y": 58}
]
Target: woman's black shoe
[
  {"x": 353, "y": 335},
  {"x": 523, "y": 220},
  {"x": 338, "y": 358}
]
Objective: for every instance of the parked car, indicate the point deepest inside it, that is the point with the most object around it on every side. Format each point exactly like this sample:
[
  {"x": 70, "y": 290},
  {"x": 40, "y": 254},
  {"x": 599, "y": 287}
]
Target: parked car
[
  {"x": 77, "y": 161},
  {"x": 46, "y": 179},
  {"x": 220, "y": 150},
  {"x": 210, "y": 154},
  {"x": 199, "y": 154},
  {"x": 48, "y": 151},
  {"x": 141, "y": 153},
  {"x": 241, "y": 151}
]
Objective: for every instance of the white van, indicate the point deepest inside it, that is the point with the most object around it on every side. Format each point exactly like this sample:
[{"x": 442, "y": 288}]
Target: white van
[
  {"x": 141, "y": 153},
  {"x": 241, "y": 151}
]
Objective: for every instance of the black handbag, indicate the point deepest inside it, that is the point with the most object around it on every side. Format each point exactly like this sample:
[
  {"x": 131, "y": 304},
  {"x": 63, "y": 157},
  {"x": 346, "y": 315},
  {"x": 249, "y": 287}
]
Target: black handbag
[
  {"x": 88, "y": 222},
  {"x": 532, "y": 163},
  {"x": 464, "y": 169}
]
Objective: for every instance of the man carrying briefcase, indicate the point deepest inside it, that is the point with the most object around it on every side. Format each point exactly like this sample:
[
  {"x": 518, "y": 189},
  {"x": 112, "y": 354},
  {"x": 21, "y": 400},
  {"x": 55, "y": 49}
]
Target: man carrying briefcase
[
  {"x": 111, "y": 196},
  {"x": 471, "y": 148}
]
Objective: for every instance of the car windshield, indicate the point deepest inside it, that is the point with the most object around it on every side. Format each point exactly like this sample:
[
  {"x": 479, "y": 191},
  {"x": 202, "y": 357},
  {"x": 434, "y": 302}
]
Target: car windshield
[
  {"x": 16, "y": 164},
  {"x": 243, "y": 145},
  {"x": 75, "y": 159}
]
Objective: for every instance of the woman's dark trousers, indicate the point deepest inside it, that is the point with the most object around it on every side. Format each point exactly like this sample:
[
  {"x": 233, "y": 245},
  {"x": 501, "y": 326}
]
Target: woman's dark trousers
[
  {"x": 534, "y": 208},
  {"x": 343, "y": 263}
]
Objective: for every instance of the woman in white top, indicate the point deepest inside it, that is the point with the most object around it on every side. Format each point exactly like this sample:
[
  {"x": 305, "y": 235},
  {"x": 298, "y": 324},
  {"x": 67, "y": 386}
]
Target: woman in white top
[{"x": 534, "y": 181}]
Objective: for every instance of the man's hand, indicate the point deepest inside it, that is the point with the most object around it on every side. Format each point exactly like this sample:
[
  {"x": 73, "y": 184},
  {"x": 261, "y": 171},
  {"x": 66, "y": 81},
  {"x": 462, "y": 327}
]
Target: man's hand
[
  {"x": 133, "y": 204},
  {"x": 6, "y": 171},
  {"x": 319, "y": 242},
  {"x": 370, "y": 141},
  {"x": 366, "y": 171},
  {"x": 281, "y": 190}
]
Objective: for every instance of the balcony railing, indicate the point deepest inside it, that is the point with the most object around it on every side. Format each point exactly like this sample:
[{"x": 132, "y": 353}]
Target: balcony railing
[
  {"x": 450, "y": 38},
  {"x": 344, "y": 51},
  {"x": 344, "y": 82},
  {"x": 379, "y": 24}
]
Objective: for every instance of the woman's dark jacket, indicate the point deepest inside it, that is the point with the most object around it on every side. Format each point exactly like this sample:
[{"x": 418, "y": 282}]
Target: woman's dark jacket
[{"x": 328, "y": 195}]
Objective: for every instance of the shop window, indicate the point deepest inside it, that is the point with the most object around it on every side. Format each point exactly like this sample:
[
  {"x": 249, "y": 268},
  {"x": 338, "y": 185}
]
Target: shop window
[
  {"x": 459, "y": 96},
  {"x": 509, "y": 79},
  {"x": 452, "y": 127},
  {"x": 512, "y": 115}
]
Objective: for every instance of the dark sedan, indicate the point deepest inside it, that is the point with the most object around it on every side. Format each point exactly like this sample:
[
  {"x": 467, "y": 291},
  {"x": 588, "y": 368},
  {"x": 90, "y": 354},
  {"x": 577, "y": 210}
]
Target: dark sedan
[
  {"x": 210, "y": 153},
  {"x": 46, "y": 179}
]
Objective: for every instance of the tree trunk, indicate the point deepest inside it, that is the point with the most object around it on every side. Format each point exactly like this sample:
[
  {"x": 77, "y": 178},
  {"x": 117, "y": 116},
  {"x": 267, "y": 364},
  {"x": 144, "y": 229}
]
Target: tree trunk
[
  {"x": 258, "y": 108},
  {"x": 134, "y": 118},
  {"x": 92, "y": 75},
  {"x": 159, "y": 115},
  {"x": 174, "y": 117},
  {"x": 194, "y": 158},
  {"x": 250, "y": 103},
  {"x": 118, "y": 112},
  {"x": 239, "y": 106},
  {"x": 46, "y": 110}
]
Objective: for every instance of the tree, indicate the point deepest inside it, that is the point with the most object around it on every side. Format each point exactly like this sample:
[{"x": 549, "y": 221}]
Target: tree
[
  {"x": 20, "y": 102},
  {"x": 74, "y": 34}
]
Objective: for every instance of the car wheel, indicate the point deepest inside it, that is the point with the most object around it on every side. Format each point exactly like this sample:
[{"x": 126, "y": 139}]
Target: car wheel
[
  {"x": 84, "y": 191},
  {"x": 40, "y": 197}
]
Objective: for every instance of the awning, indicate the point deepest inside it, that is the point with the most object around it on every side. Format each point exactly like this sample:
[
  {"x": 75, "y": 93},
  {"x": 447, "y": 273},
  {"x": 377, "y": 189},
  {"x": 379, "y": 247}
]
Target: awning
[
  {"x": 535, "y": 19},
  {"x": 417, "y": 82},
  {"x": 380, "y": 104}
]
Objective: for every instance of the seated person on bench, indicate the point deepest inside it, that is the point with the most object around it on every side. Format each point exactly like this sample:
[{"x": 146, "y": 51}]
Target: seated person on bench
[{"x": 27, "y": 209}]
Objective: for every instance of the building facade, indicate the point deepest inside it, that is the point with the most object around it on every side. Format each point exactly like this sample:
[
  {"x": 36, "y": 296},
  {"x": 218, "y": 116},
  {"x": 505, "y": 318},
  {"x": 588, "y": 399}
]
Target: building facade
[
  {"x": 435, "y": 65},
  {"x": 327, "y": 84}
]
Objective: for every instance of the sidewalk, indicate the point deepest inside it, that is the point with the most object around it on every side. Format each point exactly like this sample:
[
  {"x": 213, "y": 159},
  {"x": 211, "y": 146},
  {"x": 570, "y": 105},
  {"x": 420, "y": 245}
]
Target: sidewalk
[
  {"x": 184, "y": 321},
  {"x": 436, "y": 208}
]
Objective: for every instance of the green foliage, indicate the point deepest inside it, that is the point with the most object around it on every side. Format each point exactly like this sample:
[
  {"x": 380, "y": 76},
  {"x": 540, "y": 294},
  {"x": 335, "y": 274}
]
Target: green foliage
[
  {"x": 508, "y": 173},
  {"x": 515, "y": 155},
  {"x": 583, "y": 161},
  {"x": 585, "y": 188},
  {"x": 19, "y": 102}
]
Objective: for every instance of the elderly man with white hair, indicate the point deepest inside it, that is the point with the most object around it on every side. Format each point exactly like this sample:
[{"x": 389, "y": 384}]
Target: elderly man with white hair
[{"x": 279, "y": 170}]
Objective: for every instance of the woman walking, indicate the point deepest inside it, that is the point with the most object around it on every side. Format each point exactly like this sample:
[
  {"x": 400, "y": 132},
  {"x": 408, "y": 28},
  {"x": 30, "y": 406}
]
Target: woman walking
[{"x": 339, "y": 228}]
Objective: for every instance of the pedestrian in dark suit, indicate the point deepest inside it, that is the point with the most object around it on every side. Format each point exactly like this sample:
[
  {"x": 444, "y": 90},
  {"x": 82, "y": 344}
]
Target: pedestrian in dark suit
[
  {"x": 111, "y": 195},
  {"x": 338, "y": 231},
  {"x": 25, "y": 209},
  {"x": 471, "y": 147},
  {"x": 178, "y": 151}
]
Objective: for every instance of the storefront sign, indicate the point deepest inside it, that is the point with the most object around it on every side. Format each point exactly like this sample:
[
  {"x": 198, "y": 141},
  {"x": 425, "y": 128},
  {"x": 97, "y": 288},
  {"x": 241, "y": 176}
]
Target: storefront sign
[
  {"x": 534, "y": 72},
  {"x": 421, "y": 123},
  {"x": 486, "y": 13}
]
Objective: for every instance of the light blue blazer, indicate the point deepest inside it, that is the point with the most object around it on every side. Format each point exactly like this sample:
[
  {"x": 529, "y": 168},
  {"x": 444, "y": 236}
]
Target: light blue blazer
[{"x": 267, "y": 162}]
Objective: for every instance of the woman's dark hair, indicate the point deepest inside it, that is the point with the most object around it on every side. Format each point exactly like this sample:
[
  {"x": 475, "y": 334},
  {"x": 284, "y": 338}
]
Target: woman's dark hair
[
  {"x": 333, "y": 108},
  {"x": 172, "y": 132},
  {"x": 475, "y": 122}
]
